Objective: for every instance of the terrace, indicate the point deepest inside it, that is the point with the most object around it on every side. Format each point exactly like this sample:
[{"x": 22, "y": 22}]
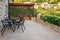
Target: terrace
[{"x": 38, "y": 23}]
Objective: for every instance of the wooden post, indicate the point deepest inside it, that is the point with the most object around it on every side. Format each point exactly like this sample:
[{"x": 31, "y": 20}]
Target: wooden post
[
  {"x": 22, "y": 11},
  {"x": 8, "y": 10},
  {"x": 33, "y": 10}
]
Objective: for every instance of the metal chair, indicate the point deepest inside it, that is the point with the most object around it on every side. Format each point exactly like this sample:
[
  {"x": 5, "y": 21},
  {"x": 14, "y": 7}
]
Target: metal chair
[
  {"x": 7, "y": 24},
  {"x": 4, "y": 26},
  {"x": 21, "y": 24},
  {"x": 14, "y": 25}
]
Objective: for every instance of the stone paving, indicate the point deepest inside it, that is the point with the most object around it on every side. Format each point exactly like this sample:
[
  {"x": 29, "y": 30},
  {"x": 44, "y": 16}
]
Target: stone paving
[{"x": 34, "y": 31}]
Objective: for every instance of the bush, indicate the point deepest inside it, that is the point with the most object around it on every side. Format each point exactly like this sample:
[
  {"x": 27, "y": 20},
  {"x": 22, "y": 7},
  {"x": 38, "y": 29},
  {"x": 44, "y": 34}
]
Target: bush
[
  {"x": 17, "y": 11},
  {"x": 51, "y": 19}
]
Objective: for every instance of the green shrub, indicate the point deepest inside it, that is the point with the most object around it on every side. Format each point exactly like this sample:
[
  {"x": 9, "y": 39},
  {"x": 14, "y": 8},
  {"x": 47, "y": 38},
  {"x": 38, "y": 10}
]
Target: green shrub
[
  {"x": 17, "y": 11},
  {"x": 43, "y": 18},
  {"x": 51, "y": 19}
]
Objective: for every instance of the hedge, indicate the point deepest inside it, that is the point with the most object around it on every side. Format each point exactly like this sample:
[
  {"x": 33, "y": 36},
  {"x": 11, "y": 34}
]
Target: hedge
[
  {"x": 51, "y": 19},
  {"x": 17, "y": 11}
]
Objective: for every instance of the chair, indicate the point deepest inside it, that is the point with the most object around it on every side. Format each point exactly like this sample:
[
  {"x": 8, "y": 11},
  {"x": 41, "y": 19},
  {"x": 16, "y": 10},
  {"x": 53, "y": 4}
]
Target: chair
[
  {"x": 4, "y": 26},
  {"x": 22, "y": 20},
  {"x": 7, "y": 23},
  {"x": 14, "y": 25},
  {"x": 20, "y": 23}
]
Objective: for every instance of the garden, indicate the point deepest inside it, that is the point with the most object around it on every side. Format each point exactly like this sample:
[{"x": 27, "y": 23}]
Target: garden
[
  {"x": 16, "y": 11},
  {"x": 49, "y": 15}
]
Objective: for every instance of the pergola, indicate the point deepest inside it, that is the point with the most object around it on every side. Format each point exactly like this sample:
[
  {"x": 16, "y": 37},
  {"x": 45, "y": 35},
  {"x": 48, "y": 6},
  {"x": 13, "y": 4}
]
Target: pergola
[{"x": 22, "y": 5}]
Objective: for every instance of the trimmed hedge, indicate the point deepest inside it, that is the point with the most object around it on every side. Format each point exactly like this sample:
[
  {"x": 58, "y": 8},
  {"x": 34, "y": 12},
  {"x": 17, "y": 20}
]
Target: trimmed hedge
[
  {"x": 16, "y": 11},
  {"x": 51, "y": 19}
]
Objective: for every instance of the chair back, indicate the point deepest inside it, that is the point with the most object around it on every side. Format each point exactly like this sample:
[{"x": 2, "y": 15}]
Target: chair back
[{"x": 4, "y": 22}]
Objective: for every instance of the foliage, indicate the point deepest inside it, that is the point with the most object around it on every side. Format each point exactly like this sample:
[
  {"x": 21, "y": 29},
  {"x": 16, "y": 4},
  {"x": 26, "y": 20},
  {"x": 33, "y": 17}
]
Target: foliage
[
  {"x": 49, "y": 12},
  {"x": 28, "y": 11},
  {"x": 49, "y": 1},
  {"x": 35, "y": 12},
  {"x": 15, "y": 11},
  {"x": 40, "y": 1},
  {"x": 51, "y": 19},
  {"x": 50, "y": 15}
]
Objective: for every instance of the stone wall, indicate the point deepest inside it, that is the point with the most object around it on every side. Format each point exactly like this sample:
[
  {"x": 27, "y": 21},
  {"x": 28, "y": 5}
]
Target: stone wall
[{"x": 3, "y": 10}]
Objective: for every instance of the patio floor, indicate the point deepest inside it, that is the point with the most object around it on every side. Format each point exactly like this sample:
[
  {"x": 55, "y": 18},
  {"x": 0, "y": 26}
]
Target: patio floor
[{"x": 34, "y": 31}]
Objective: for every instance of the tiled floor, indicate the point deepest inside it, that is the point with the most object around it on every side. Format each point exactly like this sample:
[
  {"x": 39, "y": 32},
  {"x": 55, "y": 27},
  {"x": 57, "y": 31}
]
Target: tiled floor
[{"x": 34, "y": 31}]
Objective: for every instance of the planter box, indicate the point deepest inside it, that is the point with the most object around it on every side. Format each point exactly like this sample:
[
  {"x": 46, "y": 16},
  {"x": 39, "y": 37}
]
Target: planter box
[{"x": 26, "y": 17}]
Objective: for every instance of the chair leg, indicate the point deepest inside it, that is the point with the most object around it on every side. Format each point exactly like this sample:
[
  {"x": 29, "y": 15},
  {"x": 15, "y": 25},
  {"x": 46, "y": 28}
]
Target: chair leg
[
  {"x": 18, "y": 26},
  {"x": 24, "y": 26},
  {"x": 4, "y": 30},
  {"x": 14, "y": 29},
  {"x": 22, "y": 29}
]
